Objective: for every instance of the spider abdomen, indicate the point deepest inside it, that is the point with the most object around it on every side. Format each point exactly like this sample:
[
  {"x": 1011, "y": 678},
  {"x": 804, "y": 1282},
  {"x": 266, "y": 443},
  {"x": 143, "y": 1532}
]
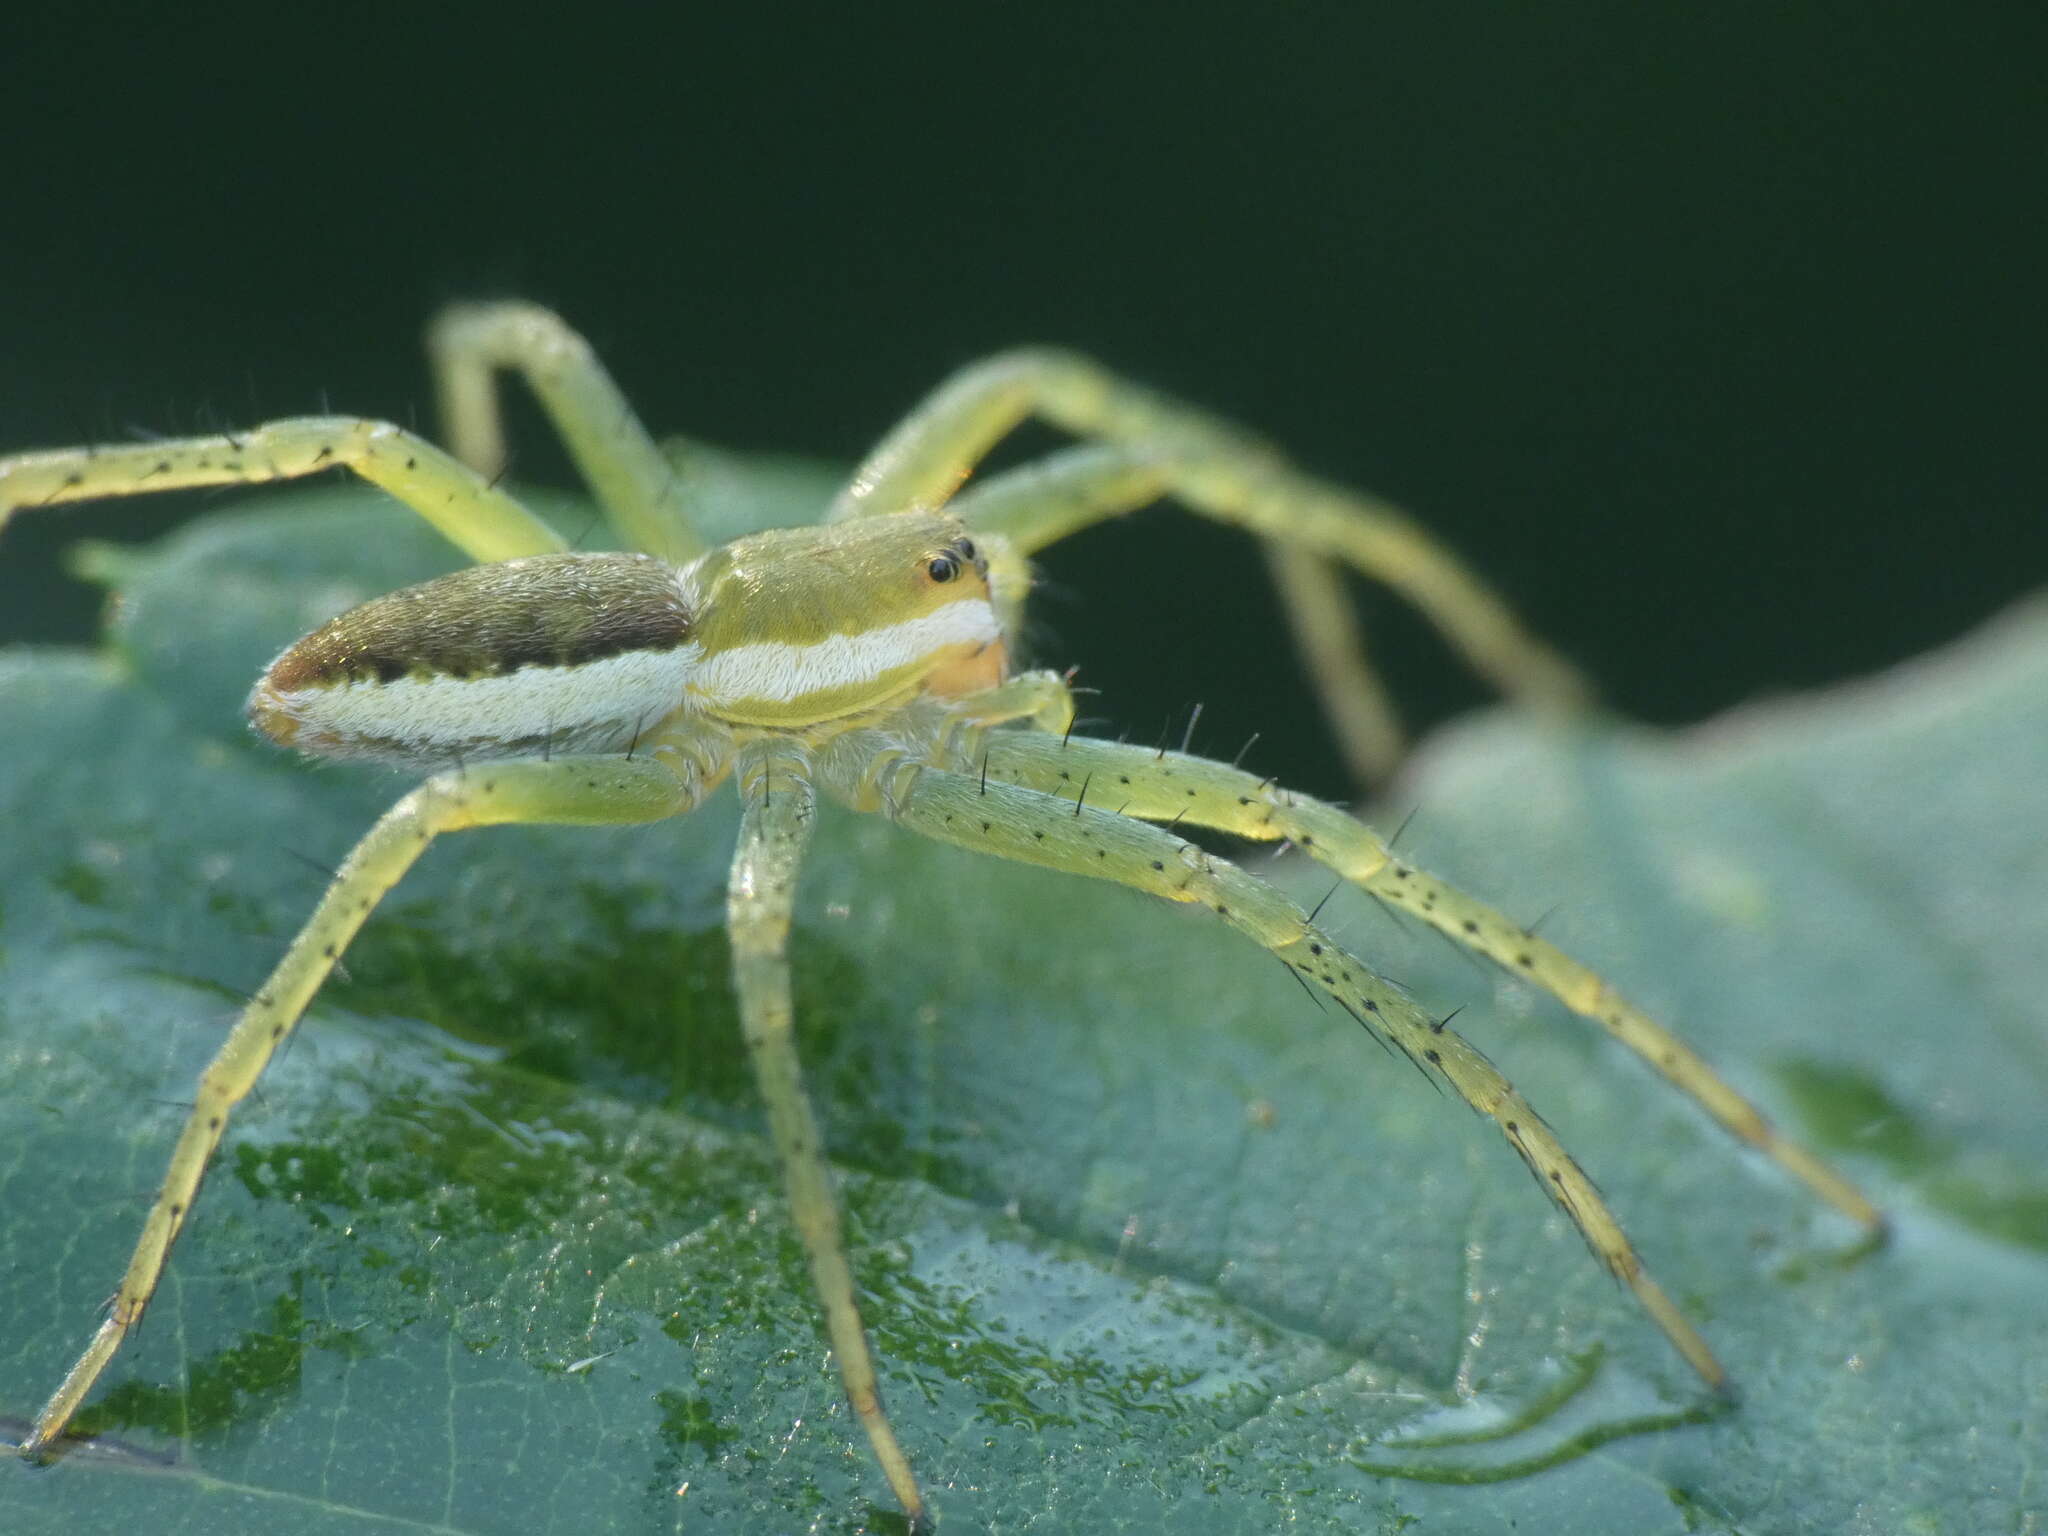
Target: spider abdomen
[{"x": 547, "y": 653}]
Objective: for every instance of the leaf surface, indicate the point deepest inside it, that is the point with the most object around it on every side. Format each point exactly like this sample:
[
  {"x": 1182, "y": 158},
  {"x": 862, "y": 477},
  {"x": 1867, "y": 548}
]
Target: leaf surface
[{"x": 1149, "y": 1243}]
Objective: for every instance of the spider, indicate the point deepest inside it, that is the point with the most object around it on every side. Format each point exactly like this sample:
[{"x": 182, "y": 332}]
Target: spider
[{"x": 865, "y": 658}]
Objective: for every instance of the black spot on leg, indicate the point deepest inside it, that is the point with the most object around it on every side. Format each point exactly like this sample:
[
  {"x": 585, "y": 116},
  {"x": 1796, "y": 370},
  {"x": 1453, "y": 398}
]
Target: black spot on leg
[
  {"x": 412, "y": 463},
  {"x": 1157, "y": 865},
  {"x": 1432, "y": 1058},
  {"x": 1470, "y": 926},
  {"x": 1315, "y": 949},
  {"x": 1526, "y": 962}
]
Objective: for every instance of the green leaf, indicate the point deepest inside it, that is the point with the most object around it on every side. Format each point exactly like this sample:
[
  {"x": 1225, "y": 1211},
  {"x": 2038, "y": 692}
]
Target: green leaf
[{"x": 1148, "y": 1242}]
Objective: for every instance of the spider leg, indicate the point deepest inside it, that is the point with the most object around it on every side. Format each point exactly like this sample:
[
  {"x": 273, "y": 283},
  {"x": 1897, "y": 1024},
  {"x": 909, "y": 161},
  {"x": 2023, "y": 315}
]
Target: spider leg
[
  {"x": 777, "y": 808},
  {"x": 1058, "y": 832},
  {"x": 1332, "y": 647},
  {"x": 1213, "y": 467},
  {"x": 588, "y": 791},
  {"x": 1041, "y": 502},
  {"x": 473, "y": 514},
  {"x": 1043, "y": 698},
  {"x": 633, "y": 479},
  {"x": 1174, "y": 786}
]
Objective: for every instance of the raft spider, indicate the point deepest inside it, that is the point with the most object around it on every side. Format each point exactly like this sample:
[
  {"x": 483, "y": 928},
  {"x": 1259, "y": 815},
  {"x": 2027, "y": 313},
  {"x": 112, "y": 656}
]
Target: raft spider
[{"x": 865, "y": 658}]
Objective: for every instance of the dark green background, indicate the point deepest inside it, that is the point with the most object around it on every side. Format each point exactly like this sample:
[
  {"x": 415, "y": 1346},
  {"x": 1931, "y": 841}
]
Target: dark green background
[{"x": 1712, "y": 333}]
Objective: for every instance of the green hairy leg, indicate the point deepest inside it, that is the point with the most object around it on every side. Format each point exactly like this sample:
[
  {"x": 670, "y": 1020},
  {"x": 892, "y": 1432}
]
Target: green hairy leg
[
  {"x": 1162, "y": 786},
  {"x": 1061, "y": 833},
  {"x": 470, "y": 512},
  {"x": 580, "y": 791}
]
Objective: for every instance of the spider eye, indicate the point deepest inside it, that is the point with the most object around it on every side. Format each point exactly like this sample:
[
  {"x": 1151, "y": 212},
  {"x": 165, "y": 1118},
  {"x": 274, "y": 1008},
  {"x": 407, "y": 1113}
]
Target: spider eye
[
  {"x": 966, "y": 548},
  {"x": 942, "y": 567}
]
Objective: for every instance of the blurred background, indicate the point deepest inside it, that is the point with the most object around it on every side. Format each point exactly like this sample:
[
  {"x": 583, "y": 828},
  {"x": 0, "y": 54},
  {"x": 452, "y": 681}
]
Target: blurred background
[{"x": 1711, "y": 334}]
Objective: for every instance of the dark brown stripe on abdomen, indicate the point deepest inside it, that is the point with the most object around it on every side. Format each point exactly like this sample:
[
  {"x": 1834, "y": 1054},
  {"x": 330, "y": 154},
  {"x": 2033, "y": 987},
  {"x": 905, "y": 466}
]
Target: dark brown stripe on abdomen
[{"x": 488, "y": 620}]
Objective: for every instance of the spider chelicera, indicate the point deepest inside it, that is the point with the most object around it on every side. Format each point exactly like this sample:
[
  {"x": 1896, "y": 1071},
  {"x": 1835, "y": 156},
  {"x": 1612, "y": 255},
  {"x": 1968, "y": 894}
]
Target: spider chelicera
[{"x": 865, "y": 658}]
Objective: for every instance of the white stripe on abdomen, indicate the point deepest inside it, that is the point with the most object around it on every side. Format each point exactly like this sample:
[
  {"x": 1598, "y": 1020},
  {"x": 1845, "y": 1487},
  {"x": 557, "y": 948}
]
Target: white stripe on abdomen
[{"x": 577, "y": 706}]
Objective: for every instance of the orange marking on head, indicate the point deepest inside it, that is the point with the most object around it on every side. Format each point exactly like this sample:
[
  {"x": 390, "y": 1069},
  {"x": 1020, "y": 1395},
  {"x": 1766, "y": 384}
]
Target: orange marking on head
[{"x": 972, "y": 669}]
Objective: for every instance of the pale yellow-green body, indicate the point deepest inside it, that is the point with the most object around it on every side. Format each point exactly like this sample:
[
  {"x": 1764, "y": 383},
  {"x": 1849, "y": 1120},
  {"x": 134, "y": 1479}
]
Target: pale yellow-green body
[{"x": 866, "y": 659}]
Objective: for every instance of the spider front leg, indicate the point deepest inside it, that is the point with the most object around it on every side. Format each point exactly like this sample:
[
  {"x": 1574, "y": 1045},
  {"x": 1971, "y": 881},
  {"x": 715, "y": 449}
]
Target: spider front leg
[
  {"x": 474, "y": 515},
  {"x": 1062, "y": 833},
  {"x": 633, "y": 479},
  {"x": 581, "y": 791},
  {"x": 1217, "y": 470},
  {"x": 777, "y": 808},
  {"x": 1161, "y": 786},
  {"x": 1037, "y": 504}
]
